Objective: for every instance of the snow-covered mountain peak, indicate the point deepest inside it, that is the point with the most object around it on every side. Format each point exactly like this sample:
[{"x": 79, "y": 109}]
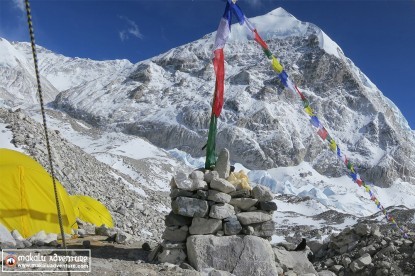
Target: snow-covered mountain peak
[{"x": 279, "y": 24}]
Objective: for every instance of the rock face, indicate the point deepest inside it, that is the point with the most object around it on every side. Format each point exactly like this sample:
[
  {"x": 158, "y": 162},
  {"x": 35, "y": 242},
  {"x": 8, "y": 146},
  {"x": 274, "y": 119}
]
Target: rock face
[
  {"x": 246, "y": 255},
  {"x": 256, "y": 103}
]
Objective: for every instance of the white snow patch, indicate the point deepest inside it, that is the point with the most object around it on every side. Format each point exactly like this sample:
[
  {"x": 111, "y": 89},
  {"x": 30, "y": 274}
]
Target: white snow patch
[
  {"x": 117, "y": 163},
  {"x": 82, "y": 125},
  {"x": 328, "y": 45},
  {"x": 277, "y": 239},
  {"x": 137, "y": 149},
  {"x": 5, "y": 138},
  {"x": 187, "y": 158},
  {"x": 340, "y": 194}
]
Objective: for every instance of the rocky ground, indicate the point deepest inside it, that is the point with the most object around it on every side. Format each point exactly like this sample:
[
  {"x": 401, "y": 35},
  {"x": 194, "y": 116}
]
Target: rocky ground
[
  {"x": 364, "y": 249},
  {"x": 371, "y": 247},
  {"x": 82, "y": 173}
]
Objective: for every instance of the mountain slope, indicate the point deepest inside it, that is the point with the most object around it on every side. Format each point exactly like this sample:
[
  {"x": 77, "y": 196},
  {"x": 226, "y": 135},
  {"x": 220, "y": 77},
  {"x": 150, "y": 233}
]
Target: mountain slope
[
  {"x": 167, "y": 100},
  {"x": 18, "y": 84},
  {"x": 65, "y": 72}
]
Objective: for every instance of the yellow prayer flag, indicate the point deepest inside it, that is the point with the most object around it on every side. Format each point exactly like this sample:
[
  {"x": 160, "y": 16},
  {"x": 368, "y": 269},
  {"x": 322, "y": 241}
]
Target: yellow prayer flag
[
  {"x": 276, "y": 65},
  {"x": 309, "y": 111},
  {"x": 333, "y": 145}
]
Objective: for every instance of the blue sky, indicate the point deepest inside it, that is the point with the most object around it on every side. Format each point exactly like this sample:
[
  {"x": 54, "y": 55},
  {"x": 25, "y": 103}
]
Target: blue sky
[{"x": 379, "y": 36}]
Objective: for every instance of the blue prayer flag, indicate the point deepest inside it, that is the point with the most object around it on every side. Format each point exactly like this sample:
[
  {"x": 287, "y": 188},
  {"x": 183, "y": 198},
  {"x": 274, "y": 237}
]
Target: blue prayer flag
[
  {"x": 283, "y": 77},
  {"x": 237, "y": 12}
]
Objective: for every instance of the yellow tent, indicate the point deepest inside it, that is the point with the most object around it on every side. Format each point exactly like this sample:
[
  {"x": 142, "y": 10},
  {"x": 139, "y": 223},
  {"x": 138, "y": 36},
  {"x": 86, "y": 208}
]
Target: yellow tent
[
  {"x": 27, "y": 199},
  {"x": 91, "y": 210}
]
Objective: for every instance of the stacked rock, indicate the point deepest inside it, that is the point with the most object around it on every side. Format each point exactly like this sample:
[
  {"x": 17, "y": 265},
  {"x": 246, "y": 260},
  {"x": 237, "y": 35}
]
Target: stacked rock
[{"x": 206, "y": 203}]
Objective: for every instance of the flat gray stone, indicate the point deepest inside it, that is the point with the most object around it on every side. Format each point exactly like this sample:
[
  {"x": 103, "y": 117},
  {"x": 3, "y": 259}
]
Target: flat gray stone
[
  {"x": 197, "y": 175},
  {"x": 175, "y": 235},
  {"x": 219, "y": 197},
  {"x": 202, "y": 226},
  {"x": 253, "y": 217},
  {"x": 360, "y": 263},
  {"x": 265, "y": 229},
  {"x": 175, "y": 192},
  {"x": 190, "y": 207},
  {"x": 177, "y": 220},
  {"x": 122, "y": 237},
  {"x": 262, "y": 193},
  {"x": 223, "y": 164},
  {"x": 210, "y": 175},
  {"x": 231, "y": 226},
  {"x": 183, "y": 182},
  {"x": 294, "y": 260},
  {"x": 222, "y": 185},
  {"x": 243, "y": 203},
  {"x": 240, "y": 255},
  {"x": 221, "y": 211},
  {"x": 268, "y": 206},
  {"x": 199, "y": 184},
  {"x": 240, "y": 194}
]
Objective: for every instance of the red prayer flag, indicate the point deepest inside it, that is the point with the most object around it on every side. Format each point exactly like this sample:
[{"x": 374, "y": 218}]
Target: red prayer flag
[
  {"x": 219, "y": 66},
  {"x": 259, "y": 40},
  {"x": 322, "y": 132}
]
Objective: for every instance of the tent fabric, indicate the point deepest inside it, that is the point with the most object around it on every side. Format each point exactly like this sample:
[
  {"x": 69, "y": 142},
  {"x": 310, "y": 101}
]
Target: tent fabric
[
  {"x": 91, "y": 210},
  {"x": 27, "y": 201}
]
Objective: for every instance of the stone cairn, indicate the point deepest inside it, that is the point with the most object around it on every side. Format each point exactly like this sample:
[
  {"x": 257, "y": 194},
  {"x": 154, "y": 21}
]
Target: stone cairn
[{"x": 219, "y": 203}]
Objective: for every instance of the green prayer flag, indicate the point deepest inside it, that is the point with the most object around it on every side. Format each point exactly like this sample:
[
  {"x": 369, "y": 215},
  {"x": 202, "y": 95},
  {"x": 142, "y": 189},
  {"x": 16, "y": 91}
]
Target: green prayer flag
[{"x": 211, "y": 143}]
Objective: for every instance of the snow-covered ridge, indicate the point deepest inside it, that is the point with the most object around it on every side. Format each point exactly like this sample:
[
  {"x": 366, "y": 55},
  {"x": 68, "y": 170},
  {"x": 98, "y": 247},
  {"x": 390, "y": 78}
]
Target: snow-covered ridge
[{"x": 67, "y": 72}]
